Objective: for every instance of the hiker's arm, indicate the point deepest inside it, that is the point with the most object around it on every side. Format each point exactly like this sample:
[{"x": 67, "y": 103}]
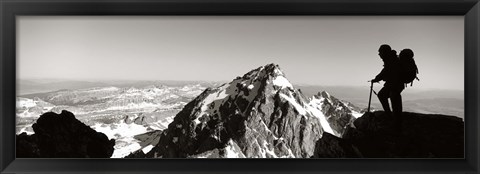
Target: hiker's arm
[{"x": 380, "y": 76}]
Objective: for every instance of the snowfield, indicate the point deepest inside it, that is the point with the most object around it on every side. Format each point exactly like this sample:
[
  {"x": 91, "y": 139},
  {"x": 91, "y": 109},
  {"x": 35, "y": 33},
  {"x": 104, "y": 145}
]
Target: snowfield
[
  {"x": 282, "y": 82},
  {"x": 123, "y": 133},
  {"x": 104, "y": 110}
]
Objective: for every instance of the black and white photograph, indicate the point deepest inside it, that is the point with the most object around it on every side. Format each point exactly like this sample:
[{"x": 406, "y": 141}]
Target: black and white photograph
[{"x": 240, "y": 87}]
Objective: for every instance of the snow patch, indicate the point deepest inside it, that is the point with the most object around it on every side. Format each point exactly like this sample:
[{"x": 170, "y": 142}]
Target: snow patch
[
  {"x": 25, "y": 102},
  {"x": 197, "y": 121},
  {"x": 215, "y": 98},
  {"x": 147, "y": 149},
  {"x": 277, "y": 71},
  {"x": 122, "y": 129},
  {"x": 282, "y": 82},
  {"x": 268, "y": 151},
  {"x": 297, "y": 106},
  {"x": 204, "y": 154},
  {"x": 162, "y": 124},
  {"x": 26, "y": 130},
  {"x": 290, "y": 153},
  {"x": 124, "y": 147},
  {"x": 323, "y": 120},
  {"x": 231, "y": 151},
  {"x": 356, "y": 114},
  {"x": 123, "y": 133},
  {"x": 316, "y": 103}
]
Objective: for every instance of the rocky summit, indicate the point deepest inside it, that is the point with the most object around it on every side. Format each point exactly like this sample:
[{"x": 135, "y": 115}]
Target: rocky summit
[
  {"x": 378, "y": 135},
  {"x": 63, "y": 136},
  {"x": 258, "y": 115}
]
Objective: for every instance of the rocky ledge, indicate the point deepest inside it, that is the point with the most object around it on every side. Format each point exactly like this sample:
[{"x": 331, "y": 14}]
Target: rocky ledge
[{"x": 375, "y": 135}]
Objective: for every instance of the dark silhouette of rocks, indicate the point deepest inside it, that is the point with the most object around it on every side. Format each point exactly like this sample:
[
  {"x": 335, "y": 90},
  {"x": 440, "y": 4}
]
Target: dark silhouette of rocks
[
  {"x": 27, "y": 146},
  {"x": 374, "y": 136},
  {"x": 136, "y": 154},
  {"x": 63, "y": 136},
  {"x": 330, "y": 146}
]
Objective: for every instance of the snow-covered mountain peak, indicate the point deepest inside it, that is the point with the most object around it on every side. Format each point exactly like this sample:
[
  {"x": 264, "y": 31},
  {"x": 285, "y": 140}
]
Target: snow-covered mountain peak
[
  {"x": 270, "y": 73},
  {"x": 269, "y": 69},
  {"x": 251, "y": 87},
  {"x": 261, "y": 112},
  {"x": 273, "y": 70}
]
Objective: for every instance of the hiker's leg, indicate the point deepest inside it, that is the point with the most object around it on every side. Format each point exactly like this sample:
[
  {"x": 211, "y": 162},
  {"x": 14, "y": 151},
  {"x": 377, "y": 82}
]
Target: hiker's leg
[
  {"x": 396, "y": 102},
  {"x": 396, "y": 98},
  {"x": 383, "y": 95}
]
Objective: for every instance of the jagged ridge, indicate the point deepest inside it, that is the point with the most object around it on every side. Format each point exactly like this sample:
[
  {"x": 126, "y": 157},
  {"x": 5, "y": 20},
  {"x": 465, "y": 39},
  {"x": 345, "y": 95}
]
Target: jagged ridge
[
  {"x": 258, "y": 115},
  {"x": 376, "y": 136}
]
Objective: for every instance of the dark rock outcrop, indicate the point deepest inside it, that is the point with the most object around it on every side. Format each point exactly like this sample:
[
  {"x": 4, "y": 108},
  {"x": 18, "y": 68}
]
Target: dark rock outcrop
[
  {"x": 136, "y": 154},
  {"x": 330, "y": 146},
  {"x": 377, "y": 136},
  {"x": 26, "y": 146},
  {"x": 63, "y": 136}
]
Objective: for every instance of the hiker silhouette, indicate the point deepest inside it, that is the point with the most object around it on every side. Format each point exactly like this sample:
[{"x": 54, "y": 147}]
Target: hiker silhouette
[{"x": 393, "y": 87}]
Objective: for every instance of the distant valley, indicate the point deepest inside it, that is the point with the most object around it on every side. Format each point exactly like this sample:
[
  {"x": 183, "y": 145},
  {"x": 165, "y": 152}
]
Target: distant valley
[{"x": 120, "y": 113}]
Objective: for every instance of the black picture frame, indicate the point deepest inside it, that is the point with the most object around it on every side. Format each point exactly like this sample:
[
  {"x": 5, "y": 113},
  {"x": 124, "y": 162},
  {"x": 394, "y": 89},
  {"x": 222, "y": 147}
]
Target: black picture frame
[{"x": 9, "y": 9}]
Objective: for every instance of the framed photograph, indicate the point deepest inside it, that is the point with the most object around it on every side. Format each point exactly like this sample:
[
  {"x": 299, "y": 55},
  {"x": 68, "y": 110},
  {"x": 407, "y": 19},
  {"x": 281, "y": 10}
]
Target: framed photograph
[{"x": 234, "y": 87}]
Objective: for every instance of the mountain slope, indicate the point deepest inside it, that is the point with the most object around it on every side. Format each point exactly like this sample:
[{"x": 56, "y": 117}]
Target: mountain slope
[
  {"x": 258, "y": 115},
  {"x": 338, "y": 113}
]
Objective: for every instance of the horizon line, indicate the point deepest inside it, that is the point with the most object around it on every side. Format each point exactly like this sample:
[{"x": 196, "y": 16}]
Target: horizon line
[{"x": 207, "y": 81}]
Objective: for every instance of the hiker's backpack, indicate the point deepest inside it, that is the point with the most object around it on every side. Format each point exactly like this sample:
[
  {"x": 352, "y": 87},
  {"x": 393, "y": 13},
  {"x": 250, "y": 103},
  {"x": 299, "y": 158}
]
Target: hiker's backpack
[{"x": 409, "y": 69}]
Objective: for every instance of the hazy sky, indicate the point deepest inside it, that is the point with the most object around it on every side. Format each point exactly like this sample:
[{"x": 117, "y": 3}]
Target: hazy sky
[{"x": 317, "y": 50}]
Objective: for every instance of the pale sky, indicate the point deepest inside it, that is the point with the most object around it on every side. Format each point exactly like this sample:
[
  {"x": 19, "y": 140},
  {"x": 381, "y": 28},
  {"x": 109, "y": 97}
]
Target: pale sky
[{"x": 316, "y": 50}]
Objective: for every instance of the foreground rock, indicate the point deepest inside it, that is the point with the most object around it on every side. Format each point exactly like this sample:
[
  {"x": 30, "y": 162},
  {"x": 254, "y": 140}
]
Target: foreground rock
[
  {"x": 375, "y": 136},
  {"x": 63, "y": 136}
]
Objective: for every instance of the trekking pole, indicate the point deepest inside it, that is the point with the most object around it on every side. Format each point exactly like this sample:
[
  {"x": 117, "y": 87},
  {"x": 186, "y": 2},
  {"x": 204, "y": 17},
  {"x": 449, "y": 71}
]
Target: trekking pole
[{"x": 370, "y": 98}]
